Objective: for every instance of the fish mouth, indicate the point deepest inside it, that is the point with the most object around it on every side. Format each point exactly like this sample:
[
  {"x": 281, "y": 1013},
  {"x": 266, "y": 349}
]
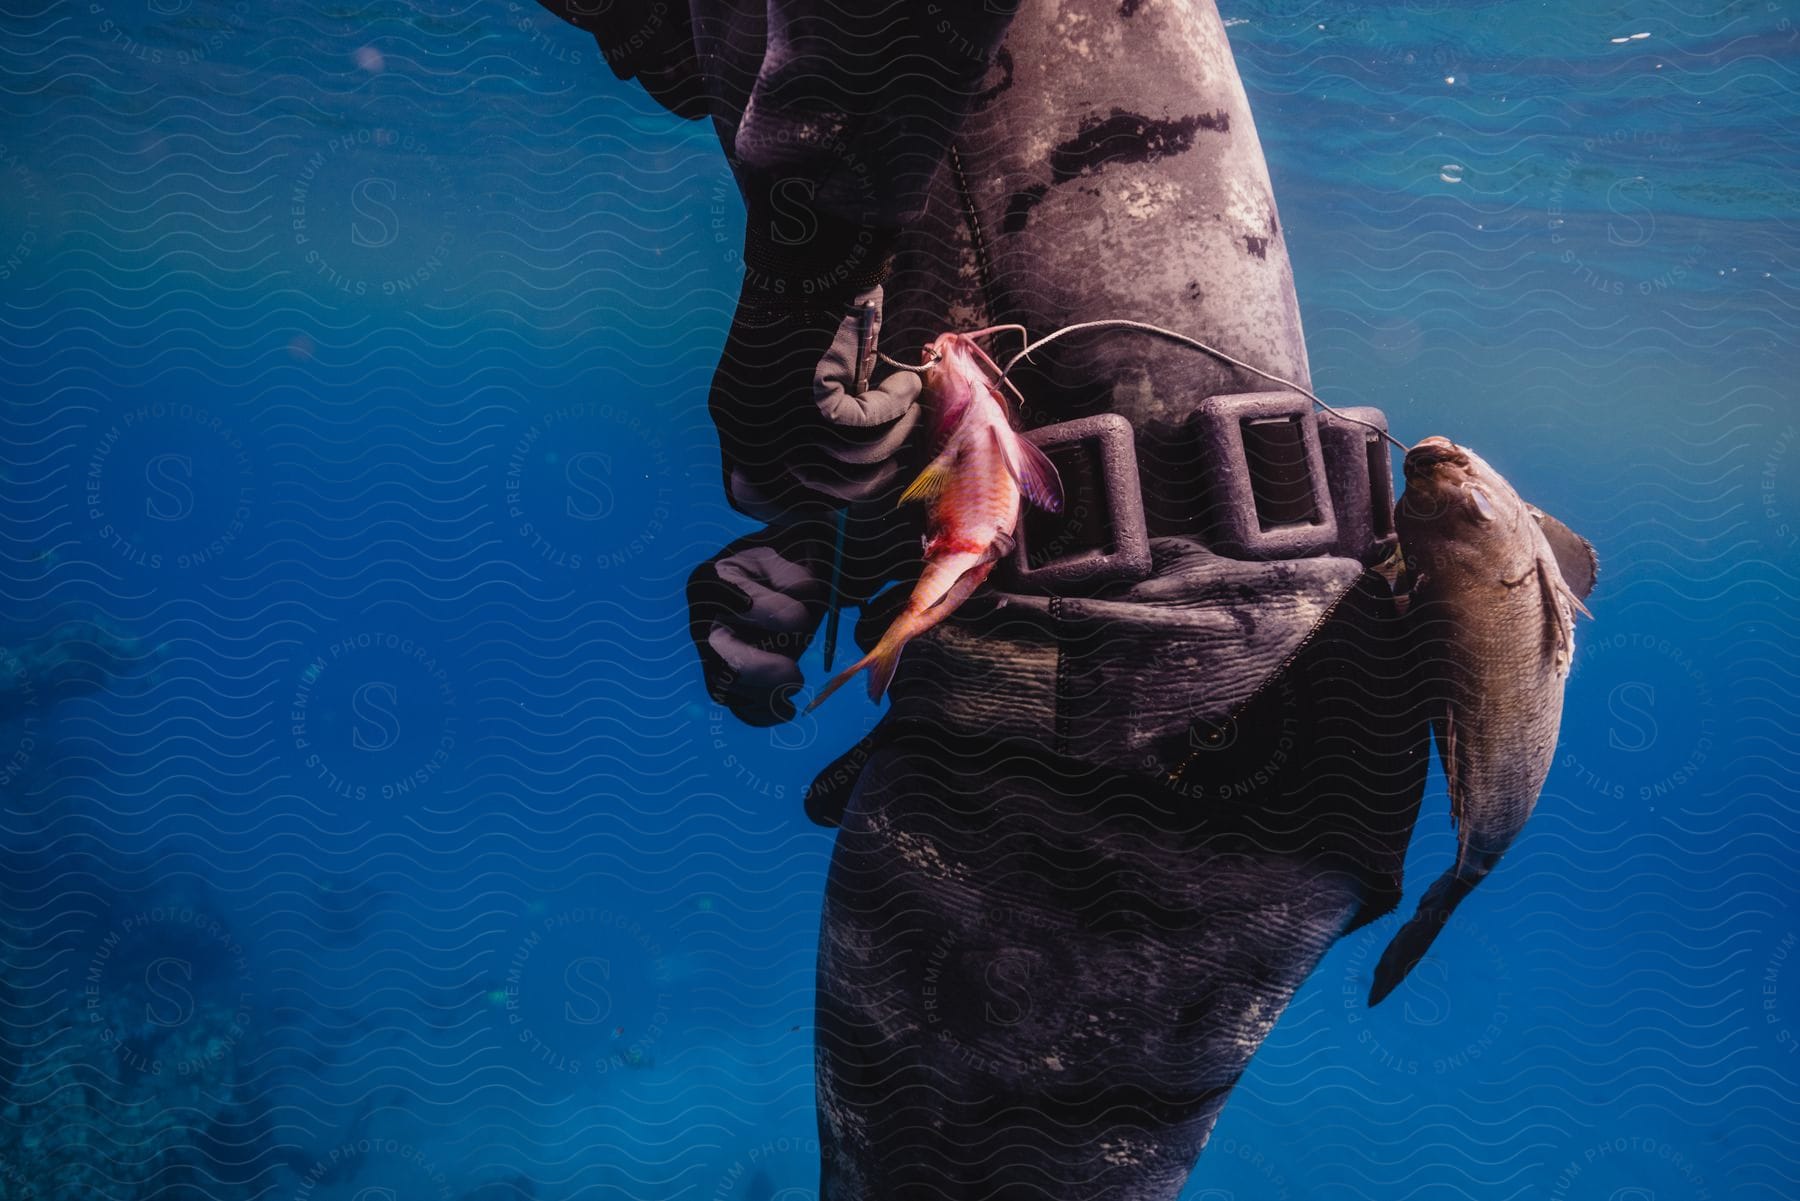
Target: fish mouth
[
  {"x": 947, "y": 347},
  {"x": 1430, "y": 454}
]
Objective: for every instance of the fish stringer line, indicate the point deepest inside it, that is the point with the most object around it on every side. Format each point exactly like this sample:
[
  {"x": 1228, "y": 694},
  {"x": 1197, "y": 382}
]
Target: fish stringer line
[{"x": 1195, "y": 344}]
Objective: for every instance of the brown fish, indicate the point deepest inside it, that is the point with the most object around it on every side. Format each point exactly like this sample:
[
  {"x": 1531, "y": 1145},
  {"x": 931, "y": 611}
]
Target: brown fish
[{"x": 1495, "y": 586}]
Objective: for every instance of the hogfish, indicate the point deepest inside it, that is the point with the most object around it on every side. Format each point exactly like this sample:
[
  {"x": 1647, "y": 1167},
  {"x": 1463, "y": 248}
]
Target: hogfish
[{"x": 983, "y": 471}]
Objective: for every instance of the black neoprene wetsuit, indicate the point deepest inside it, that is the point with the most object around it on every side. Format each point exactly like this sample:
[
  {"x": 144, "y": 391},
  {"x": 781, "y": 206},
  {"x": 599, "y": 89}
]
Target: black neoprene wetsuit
[{"x": 1042, "y": 965}]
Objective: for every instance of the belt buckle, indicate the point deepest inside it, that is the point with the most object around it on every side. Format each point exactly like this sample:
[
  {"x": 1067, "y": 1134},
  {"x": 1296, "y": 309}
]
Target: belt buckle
[
  {"x": 1100, "y": 536},
  {"x": 1264, "y": 466},
  {"x": 1362, "y": 482}
]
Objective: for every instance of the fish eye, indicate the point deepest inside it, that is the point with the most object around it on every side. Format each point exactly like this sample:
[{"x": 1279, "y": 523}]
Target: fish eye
[{"x": 1484, "y": 506}]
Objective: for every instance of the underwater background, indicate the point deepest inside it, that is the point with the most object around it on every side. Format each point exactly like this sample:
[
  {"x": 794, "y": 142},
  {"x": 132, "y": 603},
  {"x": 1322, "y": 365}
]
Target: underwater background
[{"x": 367, "y": 832}]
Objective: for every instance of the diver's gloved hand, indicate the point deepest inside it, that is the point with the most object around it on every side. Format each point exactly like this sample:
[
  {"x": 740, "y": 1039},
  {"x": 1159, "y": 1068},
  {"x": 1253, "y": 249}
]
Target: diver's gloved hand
[
  {"x": 754, "y": 607},
  {"x": 870, "y": 421},
  {"x": 752, "y": 611},
  {"x": 808, "y": 419}
]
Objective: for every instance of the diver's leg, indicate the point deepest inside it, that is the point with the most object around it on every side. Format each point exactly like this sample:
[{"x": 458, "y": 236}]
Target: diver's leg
[{"x": 1038, "y": 980}]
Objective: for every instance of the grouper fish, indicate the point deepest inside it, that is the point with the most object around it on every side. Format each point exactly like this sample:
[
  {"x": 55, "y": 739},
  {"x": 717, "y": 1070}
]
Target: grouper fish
[
  {"x": 974, "y": 487},
  {"x": 1494, "y": 588}
]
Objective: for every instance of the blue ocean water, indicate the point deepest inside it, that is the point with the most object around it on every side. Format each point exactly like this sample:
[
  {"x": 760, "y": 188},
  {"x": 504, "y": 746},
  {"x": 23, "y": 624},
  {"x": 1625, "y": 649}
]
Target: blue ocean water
[{"x": 366, "y": 827}]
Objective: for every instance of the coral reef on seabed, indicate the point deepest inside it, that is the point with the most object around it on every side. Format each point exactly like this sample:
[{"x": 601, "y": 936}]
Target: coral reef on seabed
[
  {"x": 99, "y": 1099},
  {"x": 75, "y": 1123}
]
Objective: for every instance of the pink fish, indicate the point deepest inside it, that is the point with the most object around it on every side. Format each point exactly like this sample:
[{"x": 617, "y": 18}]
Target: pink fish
[{"x": 974, "y": 486}]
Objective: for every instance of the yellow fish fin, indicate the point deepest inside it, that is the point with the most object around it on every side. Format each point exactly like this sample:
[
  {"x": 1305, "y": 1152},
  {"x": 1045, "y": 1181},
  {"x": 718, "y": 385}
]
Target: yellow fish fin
[{"x": 933, "y": 480}]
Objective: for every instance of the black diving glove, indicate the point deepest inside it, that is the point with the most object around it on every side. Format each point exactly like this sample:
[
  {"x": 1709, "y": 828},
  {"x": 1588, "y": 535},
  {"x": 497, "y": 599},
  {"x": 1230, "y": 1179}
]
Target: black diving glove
[
  {"x": 804, "y": 426},
  {"x": 805, "y": 433},
  {"x": 752, "y": 611},
  {"x": 753, "y": 608}
]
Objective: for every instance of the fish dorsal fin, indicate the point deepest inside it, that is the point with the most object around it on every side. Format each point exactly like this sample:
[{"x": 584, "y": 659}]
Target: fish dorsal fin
[
  {"x": 1575, "y": 557},
  {"x": 996, "y": 374},
  {"x": 1031, "y": 470}
]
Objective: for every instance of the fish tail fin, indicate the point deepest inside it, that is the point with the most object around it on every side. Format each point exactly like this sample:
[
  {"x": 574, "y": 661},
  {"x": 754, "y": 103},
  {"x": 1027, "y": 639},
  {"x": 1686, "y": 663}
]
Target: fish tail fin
[
  {"x": 879, "y": 662},
  {"x": 838, "y": 681},
  {"x": 1417, "y": 935},
  {"x": 882, "y": 662}
]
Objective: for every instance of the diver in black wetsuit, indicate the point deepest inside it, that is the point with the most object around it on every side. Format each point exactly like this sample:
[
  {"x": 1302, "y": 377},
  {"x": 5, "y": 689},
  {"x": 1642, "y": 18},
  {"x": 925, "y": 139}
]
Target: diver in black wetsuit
[{"x": 1131, "y": 793}]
